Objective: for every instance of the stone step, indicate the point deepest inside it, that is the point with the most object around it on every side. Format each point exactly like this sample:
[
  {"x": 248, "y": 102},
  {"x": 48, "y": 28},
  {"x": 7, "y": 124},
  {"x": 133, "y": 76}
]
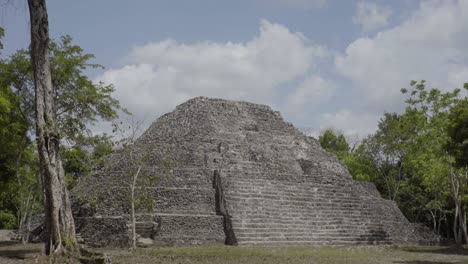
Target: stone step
[
  {"x": 268, "y": 199},
  {"x": 275, "y": 211},
  {"x": 263, "y": 176},
  {"x": 289, "y": 192},
  {"x": 187, "y": 240},
  {"x": 313, "y": 242},
  {"x": 187, "y": 212},
  {"x": 293, "y": 206},
  {"x": 310, "y": 216},
  {"x": 305, "y": 228},
  {"x": 299, "y": 221},
  {"x": 184, "y": 199},
  {"x": 303, "y": 231},
  {"x": 291, "y": 189},
  {"x": 194, "y": 177},
  {"x": 305, "y": 237},
  {"x": 322, "y": 223},
  {"x": 153, "y": 225},
  {"x": 296, "y": 208}
]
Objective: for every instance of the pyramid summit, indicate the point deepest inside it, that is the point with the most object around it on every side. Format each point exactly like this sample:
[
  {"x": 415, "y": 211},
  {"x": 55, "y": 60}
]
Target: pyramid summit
[{"x": 241, "y": 175}]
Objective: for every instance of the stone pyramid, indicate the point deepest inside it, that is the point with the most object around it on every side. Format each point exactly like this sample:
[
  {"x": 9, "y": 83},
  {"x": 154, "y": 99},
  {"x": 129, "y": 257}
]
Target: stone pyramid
[{"x": 241, "y": 175}]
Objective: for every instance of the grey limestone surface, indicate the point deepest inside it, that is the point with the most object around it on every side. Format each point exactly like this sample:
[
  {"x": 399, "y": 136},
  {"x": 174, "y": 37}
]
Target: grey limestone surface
[{"x": 240, "y": 175}]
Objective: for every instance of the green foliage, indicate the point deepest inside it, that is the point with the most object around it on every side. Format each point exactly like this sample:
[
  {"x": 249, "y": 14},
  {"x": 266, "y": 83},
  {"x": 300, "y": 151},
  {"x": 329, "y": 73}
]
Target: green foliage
[
  {"x": 360, "y": 164},
  {"x": 457, "y": 130},
  {"x": 7, "y": 220},
  {"x": 86, "y": 157},
  {"x": 15, "y": 150},
  {"x": 79, "y": 101},
  {"x": 409, "y": 152},
  {"x": 334, "y": 143},
  {"x": 358, "y": 161},
  {"x": 79, "y": 104}
]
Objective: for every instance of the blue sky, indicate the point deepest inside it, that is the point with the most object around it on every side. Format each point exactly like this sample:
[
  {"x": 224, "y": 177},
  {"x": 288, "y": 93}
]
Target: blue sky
[{"x": 322, "y": 63}]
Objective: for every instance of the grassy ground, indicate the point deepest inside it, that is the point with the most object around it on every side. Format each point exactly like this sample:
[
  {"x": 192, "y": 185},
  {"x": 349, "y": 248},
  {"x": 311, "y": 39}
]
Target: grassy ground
[
  {"x": 328, "y": 254},
  {"x": 16, "y": 253}
]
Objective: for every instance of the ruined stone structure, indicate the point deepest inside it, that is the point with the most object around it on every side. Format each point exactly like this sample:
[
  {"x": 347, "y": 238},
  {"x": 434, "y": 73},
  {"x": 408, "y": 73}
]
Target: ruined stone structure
[{"x": 240, "y": 175}]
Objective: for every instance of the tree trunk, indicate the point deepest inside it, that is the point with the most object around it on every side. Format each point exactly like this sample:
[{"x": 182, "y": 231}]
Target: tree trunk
[
  {"x": 28, "y": 220},
  {"x": 59, "y": 220},
  {"x": 20, "y": 188},
  {"x": 24, "y": 217}
]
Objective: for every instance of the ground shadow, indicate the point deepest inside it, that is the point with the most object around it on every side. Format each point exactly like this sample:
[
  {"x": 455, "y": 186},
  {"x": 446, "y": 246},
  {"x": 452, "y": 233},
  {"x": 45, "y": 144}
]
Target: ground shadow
[
  {"x": 374, "y": 237},
  {"x": 8, "y": 243},
  {"x": 16, "y": 250},
  {"x": 453, "y": 250}
]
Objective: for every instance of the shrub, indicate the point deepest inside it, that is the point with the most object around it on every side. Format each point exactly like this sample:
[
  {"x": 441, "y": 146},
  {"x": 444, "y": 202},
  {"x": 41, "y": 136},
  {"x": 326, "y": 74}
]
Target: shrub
[{"x": 7, "y": 220}]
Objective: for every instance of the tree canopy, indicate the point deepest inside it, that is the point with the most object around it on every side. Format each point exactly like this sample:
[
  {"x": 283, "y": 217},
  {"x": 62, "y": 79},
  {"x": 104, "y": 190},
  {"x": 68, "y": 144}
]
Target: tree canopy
[
  {"x": 417, "y": 158},
  {"x": 80, "y": 104}
]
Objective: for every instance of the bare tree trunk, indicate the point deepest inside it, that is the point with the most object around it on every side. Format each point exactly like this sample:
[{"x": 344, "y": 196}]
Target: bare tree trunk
[
  {"x": 59, "y": 220},
  {"x": 462, "y": 206},
  {"x": 29, "y": 213},
  {"x": 457, "y": 230},
  {"x": 441, "y": 217},
  {"x": 434, "y": 220},
  {"x": 462, "y": 225},
  {"x": 20, "y": 188},
  {"x": 24, "y": 219},
  {"x": 455, "y": 226}
]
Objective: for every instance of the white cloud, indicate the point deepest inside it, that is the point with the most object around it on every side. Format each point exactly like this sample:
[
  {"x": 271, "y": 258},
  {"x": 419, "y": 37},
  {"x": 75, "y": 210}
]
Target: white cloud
[
  {"x": 351, "y": 123},
  {"x": 430, "y": 44},
  {"x": 163, "y": 74},
  {"x": 279, "y": 64},
  {"x": 370, "y": 16},
  {"x": 312, "y": 92}
]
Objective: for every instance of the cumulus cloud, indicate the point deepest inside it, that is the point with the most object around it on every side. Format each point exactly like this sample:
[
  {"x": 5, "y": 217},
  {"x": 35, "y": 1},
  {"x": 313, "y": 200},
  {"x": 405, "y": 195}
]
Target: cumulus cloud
[
  {"x": 430, "y": 44},
  {"x": 371, "y": 16},
  {"x": 163, "y": 74},
  {"x": 279, "y": 67},
  {"x": 349, "y": 122},
  {"x": 310, "y": 93}
]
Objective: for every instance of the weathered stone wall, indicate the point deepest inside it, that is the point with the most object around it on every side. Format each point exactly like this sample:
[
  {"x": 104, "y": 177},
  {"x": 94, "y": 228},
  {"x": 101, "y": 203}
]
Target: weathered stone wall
[{"x": 241, "y": 175}]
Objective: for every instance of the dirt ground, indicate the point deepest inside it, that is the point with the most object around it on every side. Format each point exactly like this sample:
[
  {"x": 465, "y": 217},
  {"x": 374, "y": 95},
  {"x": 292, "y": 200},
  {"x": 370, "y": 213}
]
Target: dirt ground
[{"x": 12, "y": 252}]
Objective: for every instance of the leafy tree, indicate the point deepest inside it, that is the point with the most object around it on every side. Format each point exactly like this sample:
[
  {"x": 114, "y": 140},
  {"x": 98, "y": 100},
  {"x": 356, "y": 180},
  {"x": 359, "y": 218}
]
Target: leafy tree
[
  {"x": 428, "y": 158},
  {"x": 457, "y": 147},
  {"x": 457, "y": 130},
  {"x": 7, "y": 220},
  {"x": 409, "y": 155},
  {"x": 79, "y": 102},
  {"x": 16, "y": 159},
  {"x": 358, "y": 161},
  {"x": 336, "y": 144},
  {"x": 65, "y": 103},
  {"x": 61, "y": 237},
  {"x": 86, "y": 157}
]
